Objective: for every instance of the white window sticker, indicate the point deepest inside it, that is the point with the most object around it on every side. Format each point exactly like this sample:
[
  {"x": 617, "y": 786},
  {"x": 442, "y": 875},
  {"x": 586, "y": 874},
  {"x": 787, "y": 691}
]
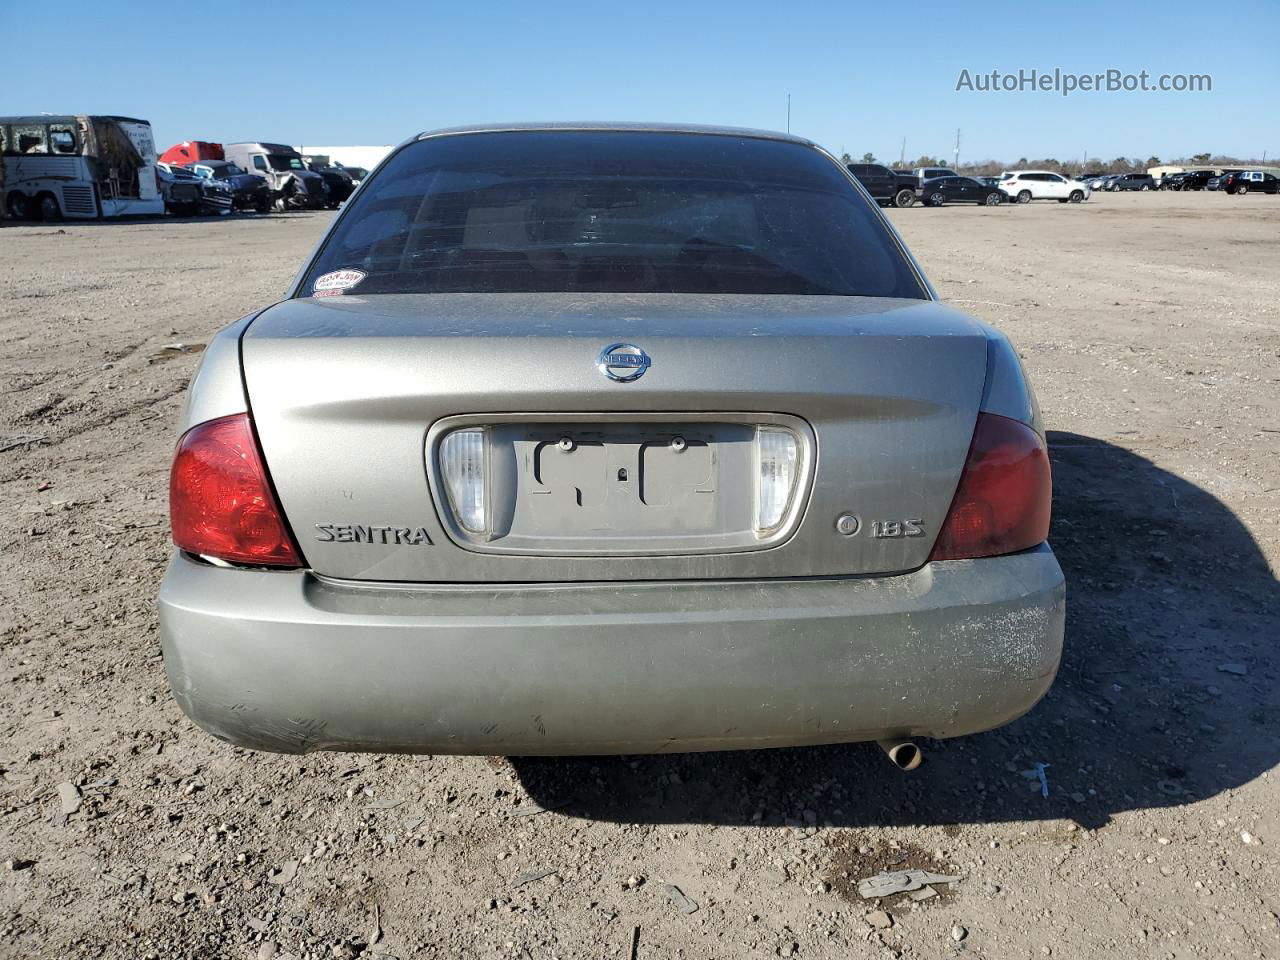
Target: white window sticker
[{"x": 333, "y": 284}]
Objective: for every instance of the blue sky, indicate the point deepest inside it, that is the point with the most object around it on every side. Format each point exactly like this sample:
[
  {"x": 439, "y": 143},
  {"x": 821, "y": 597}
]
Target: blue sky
[{"x": 861, "y": 76}]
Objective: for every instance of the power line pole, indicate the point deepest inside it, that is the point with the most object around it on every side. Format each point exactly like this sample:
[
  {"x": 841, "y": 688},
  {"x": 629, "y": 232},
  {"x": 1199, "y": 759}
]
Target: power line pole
[
  {"x": 956, "y": 162},
  {"x": 902, "y": 157}
]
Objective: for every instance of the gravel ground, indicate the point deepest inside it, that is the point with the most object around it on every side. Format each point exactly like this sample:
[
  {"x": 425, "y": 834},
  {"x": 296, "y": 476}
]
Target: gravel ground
[{"x": 1150, "y": 325}]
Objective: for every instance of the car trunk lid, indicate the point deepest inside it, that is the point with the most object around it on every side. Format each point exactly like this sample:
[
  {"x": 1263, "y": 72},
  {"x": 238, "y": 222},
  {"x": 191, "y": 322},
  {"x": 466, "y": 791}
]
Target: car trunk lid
[{"x": 591, "y": 479}]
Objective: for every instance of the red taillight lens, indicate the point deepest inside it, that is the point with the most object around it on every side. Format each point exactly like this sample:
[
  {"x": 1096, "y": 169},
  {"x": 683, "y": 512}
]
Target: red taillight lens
[
  {"x": 220, "y": 504},
  {"x": 1005, "y": 494}
]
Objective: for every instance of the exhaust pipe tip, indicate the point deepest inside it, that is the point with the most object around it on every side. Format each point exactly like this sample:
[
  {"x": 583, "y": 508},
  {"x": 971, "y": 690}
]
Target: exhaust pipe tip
[{"x": 903, "y": 754}]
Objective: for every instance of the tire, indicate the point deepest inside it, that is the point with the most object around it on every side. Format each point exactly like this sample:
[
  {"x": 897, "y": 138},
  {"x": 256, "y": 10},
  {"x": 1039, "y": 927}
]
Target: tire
[
  {"x": 1242, "y": 190},
  {"x": 1024, "y": 196},
  {"x": 936, "y": 199},
  {"x": 263, "y": 206},
  {"x": 993, "y": 200},
  {"x": 1145, "y": 187},
  {"x": 20, "y": 206},
  {"x": 47, "y": 204},
  {"x": 904, "y": 198},
  {"x": 1063, "y": 200},
  {"x": 1076, "y": 196}
]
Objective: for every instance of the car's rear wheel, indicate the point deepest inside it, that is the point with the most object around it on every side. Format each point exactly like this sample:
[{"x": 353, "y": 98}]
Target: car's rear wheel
[
  {"x": 904, "y": 198},
  {"x": 1241, "y": 190},
  {"x": 1024, "y": 196},
  {"x": 1076, "y": 196},
  {"x": 993, "y": 200},
  {"x": 936, "y": 199},
  {"x": 1145, "y": 187},
  {"x": 1063, "y": 200}
]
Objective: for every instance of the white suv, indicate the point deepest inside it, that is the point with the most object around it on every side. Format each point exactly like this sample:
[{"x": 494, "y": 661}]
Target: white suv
[{"x": 1027, "y": 185}]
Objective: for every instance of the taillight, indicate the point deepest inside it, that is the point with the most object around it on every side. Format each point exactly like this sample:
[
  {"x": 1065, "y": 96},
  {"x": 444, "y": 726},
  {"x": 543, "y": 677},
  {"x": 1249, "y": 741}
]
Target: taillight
[
  {"x": 1005, "y": 495},
  {"x": 220, "y": 503}
]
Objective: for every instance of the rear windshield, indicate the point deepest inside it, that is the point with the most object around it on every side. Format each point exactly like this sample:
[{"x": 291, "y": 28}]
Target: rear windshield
[{"x": 624, "y": 212}]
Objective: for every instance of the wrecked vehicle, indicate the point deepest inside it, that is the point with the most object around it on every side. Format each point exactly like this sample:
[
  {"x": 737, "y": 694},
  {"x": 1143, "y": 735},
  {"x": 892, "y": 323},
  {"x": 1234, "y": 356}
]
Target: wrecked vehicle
[
  {"x": 214, "y": 196},
  {"x": 340, "y": 183},
  {"x": 248, "y": 191},
  {"x": 357, "y": 174},
  {"x": 78, "y": 167},
  {"x": 609, "y": 439},
  {"x": 181, "y": 191},
  {"x": 293, "y": 186}
]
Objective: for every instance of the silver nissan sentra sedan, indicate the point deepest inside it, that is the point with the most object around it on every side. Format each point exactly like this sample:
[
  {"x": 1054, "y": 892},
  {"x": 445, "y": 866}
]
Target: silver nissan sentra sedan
[{"x": 606, "y": 438}]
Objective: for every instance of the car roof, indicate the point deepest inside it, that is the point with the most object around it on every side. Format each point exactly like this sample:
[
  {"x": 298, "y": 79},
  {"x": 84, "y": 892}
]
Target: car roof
[{"x": 612, "y": 127}]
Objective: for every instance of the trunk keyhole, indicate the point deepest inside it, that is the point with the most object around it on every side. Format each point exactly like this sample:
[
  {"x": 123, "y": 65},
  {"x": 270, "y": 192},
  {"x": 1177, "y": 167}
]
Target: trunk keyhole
[{"x": 622, "y": 474}]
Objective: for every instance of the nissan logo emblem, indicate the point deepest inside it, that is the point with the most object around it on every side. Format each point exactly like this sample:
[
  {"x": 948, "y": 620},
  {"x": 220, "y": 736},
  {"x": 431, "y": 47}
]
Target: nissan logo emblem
[{"x": 623, "y": 362}]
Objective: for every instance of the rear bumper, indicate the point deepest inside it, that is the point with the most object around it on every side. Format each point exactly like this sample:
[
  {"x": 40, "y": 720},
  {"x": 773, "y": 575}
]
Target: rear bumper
[{"x": 288, "y": 662}]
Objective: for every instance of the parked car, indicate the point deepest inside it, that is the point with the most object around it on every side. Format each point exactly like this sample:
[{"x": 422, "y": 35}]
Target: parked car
[
  {"x": 1252, "y": 181},
  {"x": 357, "y": 174},
  {"x": 932, "y": 173},
  {"x": 179, "y": 189},
  {"x": 1195, "y": 179},
  {"x": 1132, "y": 181},
  {"x": 293, "y": 186},
  {"x": 215, "y": 196},
  {"x": 1027, "y": 185},
  {"x": 1187, "y": 180},
  {"x": 248, "y": 191},
  {"x": 340, "y": 184},
  {"x": 533, "y": 490},
  {"x": 894, "y": 187},
  {"x": 942, "y": 190},
  {"x": 1215, "y": 183}
]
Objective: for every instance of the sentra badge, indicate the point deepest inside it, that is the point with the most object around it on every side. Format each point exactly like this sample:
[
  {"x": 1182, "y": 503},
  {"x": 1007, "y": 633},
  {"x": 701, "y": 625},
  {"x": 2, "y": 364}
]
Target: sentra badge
[{"x": 373, "y": 533}]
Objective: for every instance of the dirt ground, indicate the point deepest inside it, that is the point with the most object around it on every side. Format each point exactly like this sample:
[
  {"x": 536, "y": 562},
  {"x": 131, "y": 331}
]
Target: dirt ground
[{"x": 1151, "y": 326}]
